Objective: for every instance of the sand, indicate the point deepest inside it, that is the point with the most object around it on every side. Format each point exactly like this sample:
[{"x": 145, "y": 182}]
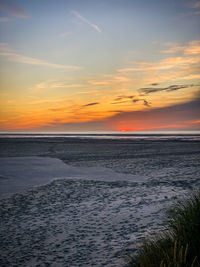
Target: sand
[{"x": 71, "y": 204}]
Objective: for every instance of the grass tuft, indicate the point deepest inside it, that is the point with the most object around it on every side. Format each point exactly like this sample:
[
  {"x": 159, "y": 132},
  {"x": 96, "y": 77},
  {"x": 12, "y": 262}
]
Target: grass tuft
[{"x": 179, "y": 246}]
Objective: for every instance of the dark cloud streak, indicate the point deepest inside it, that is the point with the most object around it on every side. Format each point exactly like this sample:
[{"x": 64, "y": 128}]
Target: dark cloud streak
[
  {"x": 91, "y": 104},
  {"x": 155, "y": 84},
  {"x": 145, "y": 102},
  {"x": 175, "y": 87},
  {"x": 124, "y": 97}
]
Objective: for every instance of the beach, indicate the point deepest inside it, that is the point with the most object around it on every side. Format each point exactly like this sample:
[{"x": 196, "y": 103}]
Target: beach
[{"x": 89, "y": 200}]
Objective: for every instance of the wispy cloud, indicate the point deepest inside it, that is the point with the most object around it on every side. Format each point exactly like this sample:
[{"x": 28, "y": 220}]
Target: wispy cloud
[
  {"x": 83, "y": 19},
  {"x": 121, "y": 97},
  {"x": 12, "y": 9},
  {"x": 193, "y": 48},
  {"x": 189, "y": 54},
  {"x": 145, "y": 102},
  {"x": 53, "y": 84},
  {"x": 110, "y": 79},
  {"x": 175, "y": 87},
  {"x": 165, "y": 64},
  {"x": 119, "y": 102},
  {"x": 11, "y": 55},
  {"x": 91, "y": 104},
  {"x": 181, "y": 63}
]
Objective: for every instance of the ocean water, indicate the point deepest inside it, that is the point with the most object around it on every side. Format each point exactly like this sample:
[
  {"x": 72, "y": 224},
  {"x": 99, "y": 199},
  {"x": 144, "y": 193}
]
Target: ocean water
[
  {"x": 89, "y": 200},
  {"x": 140, "y": 135}
]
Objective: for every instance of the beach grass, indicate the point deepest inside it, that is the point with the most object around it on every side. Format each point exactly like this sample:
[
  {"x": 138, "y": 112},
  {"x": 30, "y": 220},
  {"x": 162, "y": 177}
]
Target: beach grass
[{"x": 179, "y": 244}]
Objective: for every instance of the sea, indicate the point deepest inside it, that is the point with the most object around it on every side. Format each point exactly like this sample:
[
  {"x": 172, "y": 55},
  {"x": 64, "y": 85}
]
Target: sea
[{"x": 90, "y": 199}]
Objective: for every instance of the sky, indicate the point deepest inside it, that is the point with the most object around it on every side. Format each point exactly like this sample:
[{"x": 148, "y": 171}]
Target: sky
[{"x": 90, "y": 65}]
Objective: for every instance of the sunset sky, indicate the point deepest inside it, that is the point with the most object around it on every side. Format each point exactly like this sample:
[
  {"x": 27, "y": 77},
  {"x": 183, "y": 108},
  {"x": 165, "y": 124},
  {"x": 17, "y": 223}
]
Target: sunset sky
[{"x": 99, "y": 65}]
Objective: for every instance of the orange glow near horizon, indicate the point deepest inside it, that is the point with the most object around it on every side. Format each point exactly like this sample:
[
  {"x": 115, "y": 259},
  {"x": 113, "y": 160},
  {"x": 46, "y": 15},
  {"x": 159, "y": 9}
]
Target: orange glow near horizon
[{"x": 167, "y": 126}]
